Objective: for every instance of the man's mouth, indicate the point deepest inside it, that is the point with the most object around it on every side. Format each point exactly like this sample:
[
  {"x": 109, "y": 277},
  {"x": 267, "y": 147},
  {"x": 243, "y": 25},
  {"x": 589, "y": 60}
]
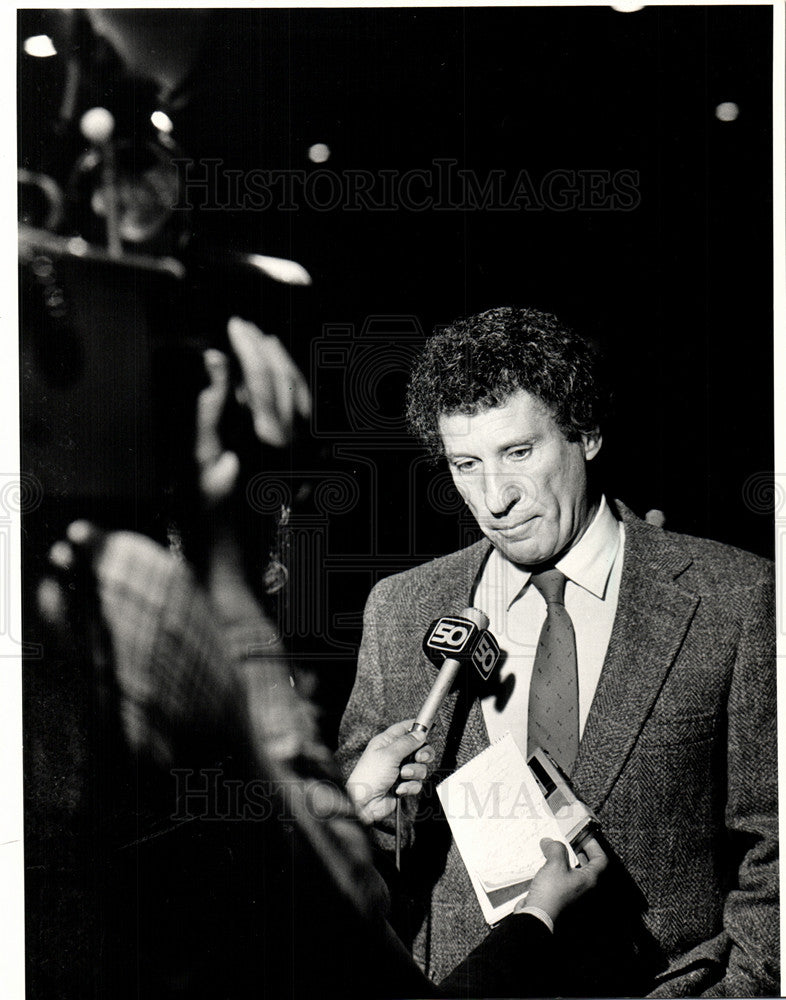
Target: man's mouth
[{"x": 516, "y": 531}]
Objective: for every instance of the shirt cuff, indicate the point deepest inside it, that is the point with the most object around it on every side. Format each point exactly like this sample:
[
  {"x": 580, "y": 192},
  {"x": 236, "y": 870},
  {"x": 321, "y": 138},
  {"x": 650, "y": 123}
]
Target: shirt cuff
[{"x": 535, "y": 911}]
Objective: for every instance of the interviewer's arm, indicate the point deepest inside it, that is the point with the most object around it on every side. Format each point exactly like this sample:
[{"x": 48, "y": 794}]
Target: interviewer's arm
[{"x": 517, "y": 957}]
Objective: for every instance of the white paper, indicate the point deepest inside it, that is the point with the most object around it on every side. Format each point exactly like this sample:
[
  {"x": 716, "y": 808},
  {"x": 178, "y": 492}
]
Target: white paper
[{"x": 498, "y": 816}]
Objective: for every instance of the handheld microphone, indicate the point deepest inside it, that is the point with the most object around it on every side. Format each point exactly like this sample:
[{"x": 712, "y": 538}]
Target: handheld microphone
[{"x": 449, "y": 642}]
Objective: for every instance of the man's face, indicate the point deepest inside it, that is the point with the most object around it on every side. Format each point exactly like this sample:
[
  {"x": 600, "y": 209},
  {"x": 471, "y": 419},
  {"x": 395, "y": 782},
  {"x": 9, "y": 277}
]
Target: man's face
[{"x": 523, "y": 480}]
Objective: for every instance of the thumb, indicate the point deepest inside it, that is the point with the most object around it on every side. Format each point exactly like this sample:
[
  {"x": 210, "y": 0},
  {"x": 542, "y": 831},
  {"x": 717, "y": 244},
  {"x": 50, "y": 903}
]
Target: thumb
[
  {"x": 554, "y": 852},
  {"x": 407, "y": 743},
  {"x": 218, "y": 480}
]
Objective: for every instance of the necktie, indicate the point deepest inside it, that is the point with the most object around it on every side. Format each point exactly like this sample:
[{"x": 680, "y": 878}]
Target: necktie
[{"x": 554, "y": 690}]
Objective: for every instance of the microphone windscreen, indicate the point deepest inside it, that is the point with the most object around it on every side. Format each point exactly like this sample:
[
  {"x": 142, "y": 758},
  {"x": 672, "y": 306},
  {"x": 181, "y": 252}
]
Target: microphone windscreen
[{"x": 478, "y": 617}]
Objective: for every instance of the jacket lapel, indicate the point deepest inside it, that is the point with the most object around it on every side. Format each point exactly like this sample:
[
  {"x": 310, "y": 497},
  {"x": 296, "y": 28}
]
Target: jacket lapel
[{"x": 653, "y": 615}]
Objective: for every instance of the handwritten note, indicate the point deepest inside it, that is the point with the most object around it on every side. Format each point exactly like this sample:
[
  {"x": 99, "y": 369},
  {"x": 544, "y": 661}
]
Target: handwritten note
[{"x": 498, "y": 815}]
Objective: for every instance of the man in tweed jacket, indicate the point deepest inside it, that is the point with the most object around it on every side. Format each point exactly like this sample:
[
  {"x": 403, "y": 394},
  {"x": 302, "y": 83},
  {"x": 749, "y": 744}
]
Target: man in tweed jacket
[{"x": 677, "y": 753}]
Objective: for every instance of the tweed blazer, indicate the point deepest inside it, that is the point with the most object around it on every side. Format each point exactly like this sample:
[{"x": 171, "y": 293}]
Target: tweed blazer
[{"x": 678, "y": 759}]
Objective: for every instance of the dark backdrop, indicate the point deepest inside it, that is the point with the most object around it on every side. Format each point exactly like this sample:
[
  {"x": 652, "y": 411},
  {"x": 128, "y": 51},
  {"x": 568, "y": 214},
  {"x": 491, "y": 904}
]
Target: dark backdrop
[{"x": 654, "y": 238}]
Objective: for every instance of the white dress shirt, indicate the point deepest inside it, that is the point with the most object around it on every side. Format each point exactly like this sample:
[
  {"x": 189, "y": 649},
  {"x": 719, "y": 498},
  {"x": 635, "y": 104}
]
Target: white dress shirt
[{"x": 517, "y": 611}]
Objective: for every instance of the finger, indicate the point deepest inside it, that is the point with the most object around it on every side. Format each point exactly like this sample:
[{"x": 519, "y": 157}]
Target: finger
[
  {"x": 399, "y": 728},
  {"x": 244, "y": 337},
  {"x": 425, "y": 755},
  {"x": 210, "y": 406},
  {"x": 592, "y": 849},
  {"x": 283, "y": 374},
  {"x": 268, "y": 428},
  {"x": 402, "y": 746},
  {"x": 52, "y": 604},
  {"x": 217, "y": 369},
  {"x": 409, "y": 788},
  {"x": 61, "y": 555},
  {"x": 593, "y": 869},
  {"x": 254, "y": 353},
  {"x": 597, "y": 859},
  {"x": 218, "y": 478},
  {"x": 290, "y": 388},
  {"x": 86, "y": 541},
  {"x": 416, "y": 771},
  {"x": 69, "y": 559},
  {"x": 84, "y": 534},
  {"x": 302, "y": 395},
  {"x": 554, "y": 852}
]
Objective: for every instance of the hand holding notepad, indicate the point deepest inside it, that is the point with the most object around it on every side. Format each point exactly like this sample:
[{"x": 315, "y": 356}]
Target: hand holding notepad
[{"x": 498, "y": 816}]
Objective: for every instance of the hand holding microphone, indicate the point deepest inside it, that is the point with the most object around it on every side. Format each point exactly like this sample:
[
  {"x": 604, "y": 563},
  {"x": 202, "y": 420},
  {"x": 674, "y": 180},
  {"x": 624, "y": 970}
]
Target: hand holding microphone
[
  {"x": 384, "y": 773},
  {"x": 450, "y": 642},
  {"x": 394, "y": 764}
]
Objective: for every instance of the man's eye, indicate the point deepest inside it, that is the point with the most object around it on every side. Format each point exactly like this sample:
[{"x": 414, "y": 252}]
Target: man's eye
[
  {"x": 517, "y": 454},
  {"x": 467, "y": 466}
]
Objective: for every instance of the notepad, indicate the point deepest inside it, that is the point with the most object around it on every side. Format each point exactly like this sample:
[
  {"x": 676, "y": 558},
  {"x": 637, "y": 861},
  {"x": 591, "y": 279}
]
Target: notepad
[{"x": 498, "y": 815}]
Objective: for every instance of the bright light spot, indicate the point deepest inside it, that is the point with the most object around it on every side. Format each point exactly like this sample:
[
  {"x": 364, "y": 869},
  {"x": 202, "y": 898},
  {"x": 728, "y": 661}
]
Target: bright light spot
[
  {"x": 727, "y": 111},
  {"x": 40, "y": 46},
  {"x": 627, "y": 6},
  {"x": 319, "y": 152},
  {"x": 162, "y": 121},
  {"x": 97, "y": 125}
]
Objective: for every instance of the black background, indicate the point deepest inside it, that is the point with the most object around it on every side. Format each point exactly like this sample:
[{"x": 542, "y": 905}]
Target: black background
[{"x": 678, "y": 290}]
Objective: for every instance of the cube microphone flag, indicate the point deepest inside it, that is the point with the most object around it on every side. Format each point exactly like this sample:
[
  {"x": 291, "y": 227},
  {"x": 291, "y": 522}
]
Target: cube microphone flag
[{"x": 449, "y": 642}]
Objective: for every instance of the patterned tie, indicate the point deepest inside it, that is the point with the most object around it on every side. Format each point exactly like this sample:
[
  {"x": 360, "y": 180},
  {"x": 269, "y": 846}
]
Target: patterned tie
[{"x": 554, "y": 689}]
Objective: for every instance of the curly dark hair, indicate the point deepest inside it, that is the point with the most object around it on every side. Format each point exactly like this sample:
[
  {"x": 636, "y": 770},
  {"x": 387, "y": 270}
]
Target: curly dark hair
[{"x": 479, "y": 361}]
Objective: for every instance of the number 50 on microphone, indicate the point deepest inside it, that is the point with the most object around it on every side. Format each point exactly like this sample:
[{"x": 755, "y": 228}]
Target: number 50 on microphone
[{"x": 463, "y": 640}]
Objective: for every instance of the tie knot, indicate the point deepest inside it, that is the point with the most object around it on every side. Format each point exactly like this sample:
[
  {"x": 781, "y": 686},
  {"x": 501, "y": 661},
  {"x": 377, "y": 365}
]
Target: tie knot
[{"x": 550, "y": 583}]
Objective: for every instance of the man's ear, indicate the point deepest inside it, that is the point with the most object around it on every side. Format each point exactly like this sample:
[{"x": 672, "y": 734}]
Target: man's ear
[{"x": 591, "y": 442}]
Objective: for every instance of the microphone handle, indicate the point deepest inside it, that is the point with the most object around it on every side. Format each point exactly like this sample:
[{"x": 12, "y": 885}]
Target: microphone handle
[
  {"x": 445, "y": 677},
  {"x": 437, "y": 694},
  {"x": 398, "y": 834}
]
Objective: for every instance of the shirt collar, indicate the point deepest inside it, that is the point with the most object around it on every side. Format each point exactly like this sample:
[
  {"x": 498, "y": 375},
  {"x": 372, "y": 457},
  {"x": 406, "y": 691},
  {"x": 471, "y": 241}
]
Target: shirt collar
[{"x": 588, "y": 563}]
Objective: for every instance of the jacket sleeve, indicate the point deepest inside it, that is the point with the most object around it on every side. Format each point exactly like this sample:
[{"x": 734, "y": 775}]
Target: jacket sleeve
[
  {"x": 751, "y": 914},
  {"x": 515, "y": 959},
  {"x": 750, "y": 936}
]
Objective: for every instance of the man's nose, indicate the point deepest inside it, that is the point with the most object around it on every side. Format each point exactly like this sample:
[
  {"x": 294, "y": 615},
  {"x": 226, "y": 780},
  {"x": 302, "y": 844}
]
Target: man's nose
[{"x": 500, "y": 494}]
